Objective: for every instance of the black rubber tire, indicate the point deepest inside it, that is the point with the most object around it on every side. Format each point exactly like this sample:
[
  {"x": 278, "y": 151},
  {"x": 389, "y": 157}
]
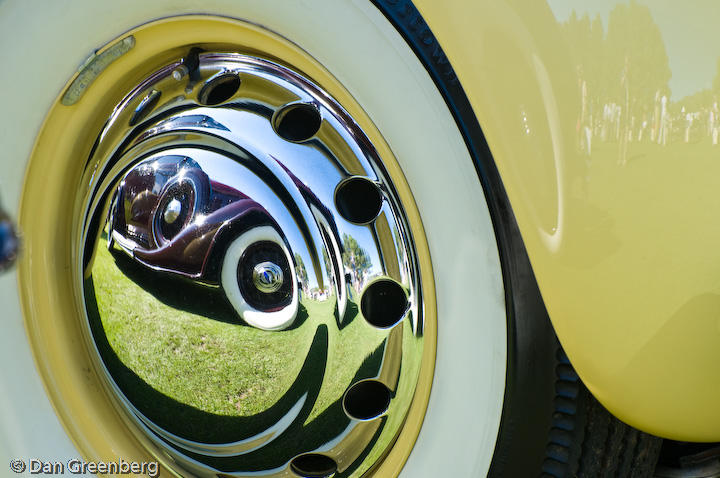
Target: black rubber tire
[
  {"x": 586, "y": 441},
  {"x": 551, "y": 425}
]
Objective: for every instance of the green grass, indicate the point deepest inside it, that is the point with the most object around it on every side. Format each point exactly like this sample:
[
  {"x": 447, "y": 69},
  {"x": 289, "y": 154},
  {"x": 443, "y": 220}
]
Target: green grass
[
  {"x": 182, "y": 355},
  {"x": 216, "y": 366}
]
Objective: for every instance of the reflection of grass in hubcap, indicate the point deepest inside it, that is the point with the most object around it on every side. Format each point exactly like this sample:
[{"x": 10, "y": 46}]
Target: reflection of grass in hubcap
[{"x": 203, "y": 356}]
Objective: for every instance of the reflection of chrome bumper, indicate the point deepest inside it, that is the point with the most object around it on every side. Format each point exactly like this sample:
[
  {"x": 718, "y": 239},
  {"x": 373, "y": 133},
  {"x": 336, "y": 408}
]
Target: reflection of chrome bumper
[{"x": 127, "y": 245}]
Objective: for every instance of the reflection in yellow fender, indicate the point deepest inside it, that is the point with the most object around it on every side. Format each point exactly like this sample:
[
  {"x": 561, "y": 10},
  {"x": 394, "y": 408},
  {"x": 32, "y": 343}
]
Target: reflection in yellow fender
[{"x": 602, "y": 117}]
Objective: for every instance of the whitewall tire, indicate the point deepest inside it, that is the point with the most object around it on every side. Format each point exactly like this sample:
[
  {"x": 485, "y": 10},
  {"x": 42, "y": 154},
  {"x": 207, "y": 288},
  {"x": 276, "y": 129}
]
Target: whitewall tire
[{"x": 358, "y": 45}]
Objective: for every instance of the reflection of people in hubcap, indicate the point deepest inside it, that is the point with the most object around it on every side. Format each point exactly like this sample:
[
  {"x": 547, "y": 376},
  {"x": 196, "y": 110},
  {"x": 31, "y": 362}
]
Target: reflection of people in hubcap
[{"x": 168, "y": 215}]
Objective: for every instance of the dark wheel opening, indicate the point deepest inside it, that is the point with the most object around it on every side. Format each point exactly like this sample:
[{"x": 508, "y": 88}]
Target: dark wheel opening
[
  {"x": 219, "y": 89},
  {"x": 384, "y": 303},
  {"x": 367, "y": 400},
  {"x": 313, "y": 465},
  {"x": 358, "y": 200},
  {"x": 297, "y": 122}
]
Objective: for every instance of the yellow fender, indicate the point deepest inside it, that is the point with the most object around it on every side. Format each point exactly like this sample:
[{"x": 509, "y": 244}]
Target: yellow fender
[{"x": 605, "y": 132}]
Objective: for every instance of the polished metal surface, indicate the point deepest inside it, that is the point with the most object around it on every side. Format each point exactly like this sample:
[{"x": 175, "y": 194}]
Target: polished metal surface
[
  {"x": 224, "y": 273},
  {"x": 9, "y": 242},
  {"x": 267, "y": 277}
]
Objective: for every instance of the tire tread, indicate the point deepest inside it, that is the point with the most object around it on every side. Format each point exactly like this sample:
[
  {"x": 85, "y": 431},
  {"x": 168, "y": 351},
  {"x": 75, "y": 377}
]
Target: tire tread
[{"x": 594, "y": 443}]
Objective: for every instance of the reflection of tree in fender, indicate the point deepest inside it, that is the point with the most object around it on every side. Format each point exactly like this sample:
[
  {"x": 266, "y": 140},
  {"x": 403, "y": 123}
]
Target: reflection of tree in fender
[
  {"x": 623, "y": 76},
  {"x": 618, "y": 71}
]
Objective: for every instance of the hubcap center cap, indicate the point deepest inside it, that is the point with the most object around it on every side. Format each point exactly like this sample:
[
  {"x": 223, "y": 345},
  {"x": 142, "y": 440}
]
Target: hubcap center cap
[{"x": 267, "y": 277}]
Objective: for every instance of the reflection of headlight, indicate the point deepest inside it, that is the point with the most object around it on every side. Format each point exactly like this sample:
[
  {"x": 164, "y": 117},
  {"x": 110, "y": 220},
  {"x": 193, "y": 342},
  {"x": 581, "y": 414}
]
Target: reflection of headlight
[
  {"x": 172, "y": 211},
  {"x": 176, "y": 207}
]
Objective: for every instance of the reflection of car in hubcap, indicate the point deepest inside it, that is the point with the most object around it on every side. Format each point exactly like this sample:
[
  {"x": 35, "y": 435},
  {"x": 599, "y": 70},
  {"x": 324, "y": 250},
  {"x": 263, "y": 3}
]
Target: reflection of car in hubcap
[{"x": 241, "y": 182}]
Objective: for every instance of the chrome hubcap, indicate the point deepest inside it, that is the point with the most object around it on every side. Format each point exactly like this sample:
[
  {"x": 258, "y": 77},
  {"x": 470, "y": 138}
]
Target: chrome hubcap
[{"x": 259, "y": 310}]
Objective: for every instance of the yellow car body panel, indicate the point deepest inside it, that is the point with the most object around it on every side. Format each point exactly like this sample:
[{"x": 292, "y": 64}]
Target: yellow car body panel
[{"x": 602, "y": 118}]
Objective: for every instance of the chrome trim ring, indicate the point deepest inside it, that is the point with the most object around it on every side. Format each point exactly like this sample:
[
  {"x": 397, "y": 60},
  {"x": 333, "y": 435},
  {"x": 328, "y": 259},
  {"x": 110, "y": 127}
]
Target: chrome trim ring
[{"x": 318, "y": 370}]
